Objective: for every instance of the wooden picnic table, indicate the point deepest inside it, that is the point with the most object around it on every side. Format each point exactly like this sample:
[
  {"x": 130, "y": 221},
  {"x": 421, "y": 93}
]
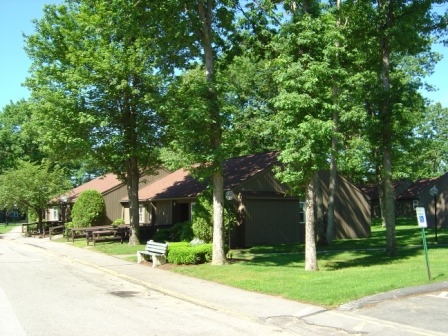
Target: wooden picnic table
[
  {"x": 116, "y": 233},
  {"x": 83, "y": 231},
  {"x": 96, "y": 233}
]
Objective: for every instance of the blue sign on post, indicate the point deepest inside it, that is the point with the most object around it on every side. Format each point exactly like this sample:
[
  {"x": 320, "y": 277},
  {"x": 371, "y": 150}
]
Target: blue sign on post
[
  {"x": 421, "y": 217},
  {"x": 421, "y": 220}
]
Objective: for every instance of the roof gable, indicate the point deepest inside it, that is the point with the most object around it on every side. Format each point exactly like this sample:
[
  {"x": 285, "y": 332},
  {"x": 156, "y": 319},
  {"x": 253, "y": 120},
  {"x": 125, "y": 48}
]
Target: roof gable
[{"x": 241, "y": 169}]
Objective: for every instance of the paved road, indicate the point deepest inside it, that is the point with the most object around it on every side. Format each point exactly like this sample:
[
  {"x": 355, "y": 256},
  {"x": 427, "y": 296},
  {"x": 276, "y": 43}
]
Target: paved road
[
  {"x": 221, "y": 309},
  {"x": 41, "y": 294}
]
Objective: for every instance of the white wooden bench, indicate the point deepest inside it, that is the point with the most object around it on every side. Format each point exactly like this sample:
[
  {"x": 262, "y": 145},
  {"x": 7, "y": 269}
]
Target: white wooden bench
[{"x": 157, "y": 251}]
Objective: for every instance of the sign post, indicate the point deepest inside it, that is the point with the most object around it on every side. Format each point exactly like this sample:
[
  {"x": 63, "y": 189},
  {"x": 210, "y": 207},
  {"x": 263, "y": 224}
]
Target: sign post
[{"x": 421, "y": 220}]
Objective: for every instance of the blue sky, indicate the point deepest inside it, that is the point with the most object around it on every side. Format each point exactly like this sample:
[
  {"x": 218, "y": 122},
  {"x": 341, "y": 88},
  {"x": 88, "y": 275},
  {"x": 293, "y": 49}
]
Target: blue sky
[{"x": 15, "y": 19}]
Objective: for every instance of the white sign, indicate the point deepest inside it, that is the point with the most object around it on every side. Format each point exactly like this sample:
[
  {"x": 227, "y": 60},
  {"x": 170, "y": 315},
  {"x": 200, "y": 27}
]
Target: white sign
[{"x": 421, "y": 217}]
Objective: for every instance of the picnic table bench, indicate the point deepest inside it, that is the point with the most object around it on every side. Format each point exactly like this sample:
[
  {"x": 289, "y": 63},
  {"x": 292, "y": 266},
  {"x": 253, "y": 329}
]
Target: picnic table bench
[
  {"x": 118, "y": 233},
  {"x": 99, "y": 233},
  {"x": 77, "y": 232},
  {"x": 47, "y": 226},
  {"x": 157, "y": 252},
  {"x": 52, "y": 230}
]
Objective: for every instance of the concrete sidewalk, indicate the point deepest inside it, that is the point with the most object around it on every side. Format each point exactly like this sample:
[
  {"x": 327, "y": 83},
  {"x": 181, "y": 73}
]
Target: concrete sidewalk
[{"x": 296, "y": 317}]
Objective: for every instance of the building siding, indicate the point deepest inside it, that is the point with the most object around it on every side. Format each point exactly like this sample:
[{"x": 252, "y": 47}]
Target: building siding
[
  {"x": 264, "y": 181},
  {"x": 352, "y": 209},
  {"x": 272, "y": 221},
  {"x": 164, "y": 212},
  {"x": 113, "y": 208},
  {"x": 427, "y": 201}
]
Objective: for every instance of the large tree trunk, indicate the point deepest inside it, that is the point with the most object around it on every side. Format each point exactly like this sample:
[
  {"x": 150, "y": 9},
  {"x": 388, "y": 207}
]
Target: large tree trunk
[
  {"x": 206, "y": 14},
  {"x": 381, "y": 199},
  {"x": 387, "y": 130},
  {"x": 310, "y": 235},
  {"x": 218, "y": 255},
  {"x": 40, "y": 220},
  {"x": 133, "y": 176},
  {"x": 332, "y": 185},
  {"x": 389, "y": 207},
  {"x": 319, "y": 211}
]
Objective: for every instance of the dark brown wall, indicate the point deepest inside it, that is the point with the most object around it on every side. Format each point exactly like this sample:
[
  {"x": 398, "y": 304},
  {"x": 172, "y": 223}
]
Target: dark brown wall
[
  {"x": 272, "y": 221},
  {"x": 352, "y": 209},
  {"x": 427, "y": 201}
]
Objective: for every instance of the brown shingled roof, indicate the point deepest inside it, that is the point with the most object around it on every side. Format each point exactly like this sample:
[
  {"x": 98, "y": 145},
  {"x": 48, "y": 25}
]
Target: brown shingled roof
[
  {"x": 175, "y": 185},
  {"x": 102, "y": 184},
  {"x": 180, "y": 184},
  {"x": 371, "y": 190},
  {"x": 413, "y": 192}
]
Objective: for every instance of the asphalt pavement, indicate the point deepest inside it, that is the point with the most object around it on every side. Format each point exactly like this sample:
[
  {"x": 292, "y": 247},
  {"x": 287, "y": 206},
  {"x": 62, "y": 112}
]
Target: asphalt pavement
[{"x": 393, "y": 313}]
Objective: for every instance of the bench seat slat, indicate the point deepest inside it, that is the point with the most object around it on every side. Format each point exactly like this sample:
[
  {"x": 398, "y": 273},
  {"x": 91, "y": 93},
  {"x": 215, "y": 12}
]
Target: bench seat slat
[{"x": 157, "y": 250}]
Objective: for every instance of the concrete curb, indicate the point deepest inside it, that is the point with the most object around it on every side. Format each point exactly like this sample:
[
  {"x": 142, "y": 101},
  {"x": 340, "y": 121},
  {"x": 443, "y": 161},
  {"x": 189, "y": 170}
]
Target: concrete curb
[{"x": 393, "y": 295}]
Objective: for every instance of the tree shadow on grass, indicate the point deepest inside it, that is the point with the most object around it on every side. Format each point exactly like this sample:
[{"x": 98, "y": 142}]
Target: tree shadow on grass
[
  {"x": 346, "y": 253},
  {"x": 365, "y": 258},
  {"x": 331, "y": 260}
]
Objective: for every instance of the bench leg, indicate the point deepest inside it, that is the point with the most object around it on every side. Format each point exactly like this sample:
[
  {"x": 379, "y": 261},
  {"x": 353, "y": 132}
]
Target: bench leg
[
  {"x": 140, "y": 257},
  {"x": 158, "y": 260}
]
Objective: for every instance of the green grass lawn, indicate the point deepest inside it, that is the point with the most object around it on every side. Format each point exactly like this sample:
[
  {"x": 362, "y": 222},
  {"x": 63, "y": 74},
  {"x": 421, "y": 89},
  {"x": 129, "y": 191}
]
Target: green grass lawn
[
  {"x": 348, "y": 270},
  {"x": 6, "y": 228}
]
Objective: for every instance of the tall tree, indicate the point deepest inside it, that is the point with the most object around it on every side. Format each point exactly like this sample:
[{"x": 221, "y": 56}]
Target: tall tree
[
  {"x": 332, "y": 185},
  {"x": 386, "y": 33},
  {"x": 199, "y": 31},
  {"x": 430, "y": 148},
  {"x": 95, "y": 82},
  {"x": 17, "y": 140},
  {"x": 30, "y": 187},
  {"x": 309, "y": 50}
]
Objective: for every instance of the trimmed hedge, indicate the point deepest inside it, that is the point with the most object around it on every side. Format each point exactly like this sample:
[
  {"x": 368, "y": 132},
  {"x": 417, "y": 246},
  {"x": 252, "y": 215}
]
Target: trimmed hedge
[{"x": 186, "y": 254}]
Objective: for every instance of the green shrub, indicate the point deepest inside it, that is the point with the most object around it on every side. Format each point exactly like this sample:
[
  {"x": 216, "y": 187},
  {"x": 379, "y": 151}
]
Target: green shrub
[
  {"x": 89, "y": 209},
  {"x": 118, "y": 221},
  {"x": 186, "y": 254},
  {"x": 183, "y": 231},
  {"x": 202, "y": 225},
  {"x": 203, "y": 229},
  {"x": 205, "y": 251},
  {"x": 162, "y": 235},
  {"x": 67, "y": 226},
  {"x": 32, "y": 216},
  {"x": 177, "y": 233}
]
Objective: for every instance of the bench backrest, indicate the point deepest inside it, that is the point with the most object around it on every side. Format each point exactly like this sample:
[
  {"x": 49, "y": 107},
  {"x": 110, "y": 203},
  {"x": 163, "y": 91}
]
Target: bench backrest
[{"x": 152, "y": 246}]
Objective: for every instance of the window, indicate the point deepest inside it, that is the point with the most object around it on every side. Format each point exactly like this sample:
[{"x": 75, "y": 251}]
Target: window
[
  {"x": 192, "y": 204},
  {"x": 55, "y": 214},
  {"x": 302, "y": 212},
  {"x": 14, "y": 214},
  {"x": 140, "y": 213}
]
